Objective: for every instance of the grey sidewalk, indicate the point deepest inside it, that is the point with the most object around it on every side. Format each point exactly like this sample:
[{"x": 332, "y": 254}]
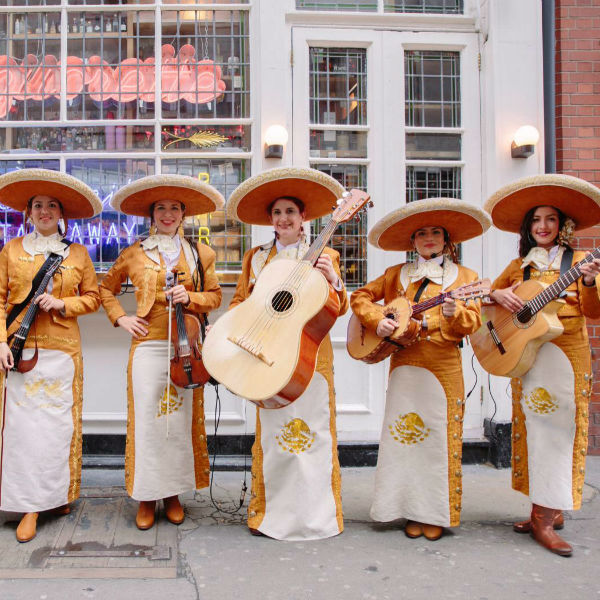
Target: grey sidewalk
[{"x": 217, "y": 558}]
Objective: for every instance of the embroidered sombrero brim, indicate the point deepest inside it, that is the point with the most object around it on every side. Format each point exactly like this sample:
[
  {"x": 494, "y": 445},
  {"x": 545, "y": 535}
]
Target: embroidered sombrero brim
[
  {"x": 250, "y": 200},
  {"x": 575, "y": 197},
  {"x": 461, "y": 220},
  {"x": 137, "y": 197},
  {"x": 78, "y": 200}
]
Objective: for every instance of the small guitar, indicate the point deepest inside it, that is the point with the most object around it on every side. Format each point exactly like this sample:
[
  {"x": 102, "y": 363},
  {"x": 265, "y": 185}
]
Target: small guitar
[
  {"x": 18, "y": 338},
  {"x": 507, "y": 343},
  {"x": 265, "y": 349},
  {"x": 364, "y": 344}
]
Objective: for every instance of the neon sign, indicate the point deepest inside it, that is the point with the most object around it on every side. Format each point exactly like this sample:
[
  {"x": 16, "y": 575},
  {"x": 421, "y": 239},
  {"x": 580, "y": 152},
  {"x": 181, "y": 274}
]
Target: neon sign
[{"x": 183, "y": 77}]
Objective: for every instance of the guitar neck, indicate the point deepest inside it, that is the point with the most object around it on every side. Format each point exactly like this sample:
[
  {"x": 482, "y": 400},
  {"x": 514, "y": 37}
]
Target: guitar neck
[
  {"x": 21, "y": 333},
  {"x": 554, "y": 290},
  {"x": 316, "y": 248},
  {"x": 427, "y": 304}
]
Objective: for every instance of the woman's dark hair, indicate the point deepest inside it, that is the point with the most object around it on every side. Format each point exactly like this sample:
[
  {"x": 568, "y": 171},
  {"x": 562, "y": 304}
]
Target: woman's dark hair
[
  {"x": 296, "y": 201},
  {"x": 526, "y": 242},
  {"x": 62, "y": 211}
]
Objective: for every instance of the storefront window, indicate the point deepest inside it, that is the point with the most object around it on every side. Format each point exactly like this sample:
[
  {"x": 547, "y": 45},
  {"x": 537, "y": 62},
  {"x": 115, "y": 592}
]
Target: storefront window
[
  {"x": 433, "y": 182},
  {"x": 111, "y": 64},
  {"x": 229, "y": 239}
]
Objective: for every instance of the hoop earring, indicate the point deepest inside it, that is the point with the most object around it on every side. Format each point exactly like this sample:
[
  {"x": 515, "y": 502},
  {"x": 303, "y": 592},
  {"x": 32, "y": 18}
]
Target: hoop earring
[{"x": 152, "y": 230}]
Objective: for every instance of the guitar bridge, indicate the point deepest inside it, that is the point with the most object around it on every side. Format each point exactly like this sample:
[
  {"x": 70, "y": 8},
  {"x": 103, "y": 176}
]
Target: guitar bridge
[
  {"x": 244, "y": 345},
  {"x": 495, "y": 337}
]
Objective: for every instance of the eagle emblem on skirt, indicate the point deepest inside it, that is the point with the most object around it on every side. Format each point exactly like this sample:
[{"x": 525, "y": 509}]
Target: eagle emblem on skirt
[
  {"x": 295, "y": 436},
  {"x": 409, "y": 429},
  {"x": 541, "y": 401},
  {"x": 175, "y": 401}
]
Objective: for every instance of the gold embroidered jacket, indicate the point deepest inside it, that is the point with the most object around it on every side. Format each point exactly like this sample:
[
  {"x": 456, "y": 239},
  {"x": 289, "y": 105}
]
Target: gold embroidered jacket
[
  {"x": 580, "y": 299},
  {"x": 466, "y": 319},
  {"x": 135, "y": 264},
  {"x": 74, "y": 283}
]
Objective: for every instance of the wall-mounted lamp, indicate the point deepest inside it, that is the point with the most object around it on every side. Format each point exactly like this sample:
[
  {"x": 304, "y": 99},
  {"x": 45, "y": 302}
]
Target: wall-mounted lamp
[
  {"x": 524, "y": 141},
  {"x": 276, "y": 138}
]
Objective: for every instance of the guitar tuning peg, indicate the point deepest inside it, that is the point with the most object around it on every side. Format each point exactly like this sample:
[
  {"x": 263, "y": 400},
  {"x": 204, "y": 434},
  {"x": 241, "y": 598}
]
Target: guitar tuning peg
[
  {"x": 370, "y": 204},
  {"x": 344, "y": 195},
  {"x": 357, "y": 218}
]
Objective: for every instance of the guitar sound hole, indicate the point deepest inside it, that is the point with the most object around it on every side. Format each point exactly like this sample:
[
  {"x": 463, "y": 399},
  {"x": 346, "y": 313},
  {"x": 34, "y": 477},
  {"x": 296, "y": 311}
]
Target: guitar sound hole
[
  {"x": 524, "y": 315},
  {"x": 282, "y": 301}
]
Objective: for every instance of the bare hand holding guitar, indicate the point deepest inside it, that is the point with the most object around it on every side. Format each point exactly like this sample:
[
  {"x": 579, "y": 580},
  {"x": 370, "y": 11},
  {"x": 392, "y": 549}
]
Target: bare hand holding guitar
[
  {"x": 386, "y": 327},
  {"x": 325, "y": 265},
  {"x": 449, "y": 307},
  {"x": 590, "y": 270},
  {"x": 507, "y": 298}
]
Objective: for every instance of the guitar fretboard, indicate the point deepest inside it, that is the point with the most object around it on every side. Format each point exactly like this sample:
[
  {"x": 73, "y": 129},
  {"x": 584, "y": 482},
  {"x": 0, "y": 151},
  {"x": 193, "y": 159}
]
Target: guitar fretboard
[
  {"x": 554, "y": 290},
  {"x": 427, "y": 304}
]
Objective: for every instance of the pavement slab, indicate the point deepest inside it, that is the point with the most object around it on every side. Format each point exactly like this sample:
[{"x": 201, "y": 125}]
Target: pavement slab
[{"x": 217, "y": 557}]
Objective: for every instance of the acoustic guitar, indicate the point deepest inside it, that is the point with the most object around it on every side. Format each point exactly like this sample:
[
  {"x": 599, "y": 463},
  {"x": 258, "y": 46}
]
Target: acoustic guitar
[
  {"x": 265, "y": 349},
  {"x": 364, "y": 344},
  {"x": 507, "y": 343}
]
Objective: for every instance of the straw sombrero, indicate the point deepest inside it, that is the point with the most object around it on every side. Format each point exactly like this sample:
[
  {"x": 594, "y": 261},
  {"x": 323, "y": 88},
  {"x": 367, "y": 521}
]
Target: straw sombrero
[
  {"x": 318, "y": 191},
  {"x": 137, "y": 197},
  {"x": 461, "y": 220},
  {"x": 575, "y": 197},
  {"x": 78, "y": 200}
]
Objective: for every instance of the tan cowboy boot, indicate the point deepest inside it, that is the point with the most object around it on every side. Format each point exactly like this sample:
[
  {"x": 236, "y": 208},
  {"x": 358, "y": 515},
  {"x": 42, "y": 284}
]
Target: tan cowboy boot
[
  {"x": 27, "y": 527},
  {"x": 432, "y": 532},
  {"x": 145, "y": 514},
  {"x": 174, "y": 510},
  {"x": 542, "y": 530},
  {"x": 413, "y": 529},
  {"x": 525, "y": 526}
]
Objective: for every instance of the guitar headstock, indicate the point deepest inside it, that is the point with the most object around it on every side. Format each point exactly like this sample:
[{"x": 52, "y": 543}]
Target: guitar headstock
[
  {"x": 350, "y": 204},
  {"x": 477, "y": 289}
]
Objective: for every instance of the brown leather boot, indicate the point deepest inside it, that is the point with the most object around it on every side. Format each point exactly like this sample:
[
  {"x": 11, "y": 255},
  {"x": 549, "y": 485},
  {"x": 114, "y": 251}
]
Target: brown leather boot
[
  {"x": 60, "y": 511},
  {"x": 525, "y": 526},
  {"x": 432, "y": 532},
  {"x": 174, "y": 510},
  {"x": 542, "y": 530},
  {"x": 27, "y": 527},
  {"x": 145, "y": 514},
  {"x": 413, "y": 529}
]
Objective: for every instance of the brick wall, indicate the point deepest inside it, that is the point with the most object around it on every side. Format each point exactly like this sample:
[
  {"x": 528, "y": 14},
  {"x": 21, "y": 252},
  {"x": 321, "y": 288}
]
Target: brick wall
[{"x": 578, "y": 134}]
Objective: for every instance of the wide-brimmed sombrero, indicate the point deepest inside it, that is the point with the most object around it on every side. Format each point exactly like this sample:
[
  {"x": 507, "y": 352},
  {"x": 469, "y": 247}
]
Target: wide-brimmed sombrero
[
  {"x": 460, "y": 219},
  {"x": 250, "y": 200},
  {"x": 575, "y": 197},
  {"x": 78, "y": 200},
  {"x": 137, "y": 197}
]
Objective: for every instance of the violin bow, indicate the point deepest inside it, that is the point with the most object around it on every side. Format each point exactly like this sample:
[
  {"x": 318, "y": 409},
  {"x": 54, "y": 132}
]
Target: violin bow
[{"x": 170, "y": 282}]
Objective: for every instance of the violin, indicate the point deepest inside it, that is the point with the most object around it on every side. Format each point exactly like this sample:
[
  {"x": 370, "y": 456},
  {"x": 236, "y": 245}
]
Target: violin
[{"x": 186, "y": 366}]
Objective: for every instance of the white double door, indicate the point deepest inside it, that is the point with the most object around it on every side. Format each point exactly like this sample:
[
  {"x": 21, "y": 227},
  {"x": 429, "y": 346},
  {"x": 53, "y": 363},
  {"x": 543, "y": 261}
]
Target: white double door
[{"x": 360, "y": 388}]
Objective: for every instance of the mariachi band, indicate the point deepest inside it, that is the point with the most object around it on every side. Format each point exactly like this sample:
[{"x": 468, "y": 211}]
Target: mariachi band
[{"x": 272, "y": 347}]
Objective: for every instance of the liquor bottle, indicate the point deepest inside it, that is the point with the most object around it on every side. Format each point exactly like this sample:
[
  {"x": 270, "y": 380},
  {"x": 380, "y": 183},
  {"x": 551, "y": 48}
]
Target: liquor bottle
[
  {"x": 123, "y": 23},
  {"x": 108, "y": 25},
  {"x": 17, "y": 26},
  {"x": 52, "y": 27},
  {"x": 97, "y": 25},
  {"x": 75, "y": 26},
  {"x": 89, "y": 28},
  {"x": 115, "y": 23}
]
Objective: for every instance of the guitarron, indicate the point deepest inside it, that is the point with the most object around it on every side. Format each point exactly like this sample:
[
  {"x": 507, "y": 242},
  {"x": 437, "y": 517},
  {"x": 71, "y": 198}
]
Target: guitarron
[
  {"x": 506, "y": 344},
  {"x": 265, "y": 349}
]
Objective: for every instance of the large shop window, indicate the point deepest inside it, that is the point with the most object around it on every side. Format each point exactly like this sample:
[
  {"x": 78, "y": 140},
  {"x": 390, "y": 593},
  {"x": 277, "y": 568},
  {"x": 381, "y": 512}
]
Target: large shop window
[
  {"x": 397, "y": 6},
  {"x": 338, "y": 142},
  {"x": 84, "y": 79}
]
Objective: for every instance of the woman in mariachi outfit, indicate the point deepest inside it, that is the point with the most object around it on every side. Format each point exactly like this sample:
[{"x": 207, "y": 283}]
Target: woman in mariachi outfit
[
  {"x": 550, "y": 402},
  {"x": 166, "y": 452},
  {"x": 296, "y": 486},
  {"x": 418, "y": 473},
  {"x": 40, "y": 419}
]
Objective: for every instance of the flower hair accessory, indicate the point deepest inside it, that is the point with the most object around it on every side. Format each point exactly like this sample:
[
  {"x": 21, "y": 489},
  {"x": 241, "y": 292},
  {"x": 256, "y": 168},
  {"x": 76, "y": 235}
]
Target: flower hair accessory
[{"x": 566, "y": 233}]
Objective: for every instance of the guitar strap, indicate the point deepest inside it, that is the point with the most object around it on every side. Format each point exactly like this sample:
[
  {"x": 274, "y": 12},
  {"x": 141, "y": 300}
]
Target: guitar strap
[
  {"x": 421, "y": 289},
  {"x": 565, "y": 265},
  {"x": 17, "y": 309}
]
